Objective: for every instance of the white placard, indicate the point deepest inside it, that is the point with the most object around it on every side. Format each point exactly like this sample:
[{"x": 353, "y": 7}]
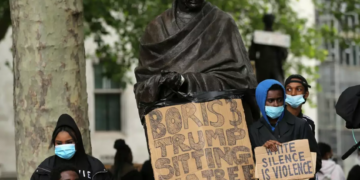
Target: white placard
[{"x": 272, "y": 38}]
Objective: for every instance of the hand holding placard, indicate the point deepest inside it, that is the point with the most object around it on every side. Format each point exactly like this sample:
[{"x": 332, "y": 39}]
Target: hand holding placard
[
  {"x": 292, "y": 161},
  {"x": 272, "y": 145}
]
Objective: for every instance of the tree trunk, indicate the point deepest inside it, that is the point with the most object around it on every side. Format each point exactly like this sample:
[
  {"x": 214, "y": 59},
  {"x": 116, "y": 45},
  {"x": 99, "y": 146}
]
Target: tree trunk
[{"x": 49, "y": 75}]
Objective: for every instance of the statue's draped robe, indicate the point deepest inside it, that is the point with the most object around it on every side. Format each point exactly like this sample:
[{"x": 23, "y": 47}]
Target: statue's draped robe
[{"x": 208, "y": 52}]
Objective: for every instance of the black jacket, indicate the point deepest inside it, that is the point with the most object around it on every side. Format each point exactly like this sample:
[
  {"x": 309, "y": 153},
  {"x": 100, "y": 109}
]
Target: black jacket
[
  {"x": 309, "y": 121},
  {"x": 289, "y": 128},
  {"x": 43, "y": 171}
]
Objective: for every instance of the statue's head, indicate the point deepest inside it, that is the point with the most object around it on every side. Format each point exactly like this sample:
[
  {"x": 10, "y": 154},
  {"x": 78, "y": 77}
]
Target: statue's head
[
  {"x": 268, "y": 20},
  {"x": 193, "y": 5}
]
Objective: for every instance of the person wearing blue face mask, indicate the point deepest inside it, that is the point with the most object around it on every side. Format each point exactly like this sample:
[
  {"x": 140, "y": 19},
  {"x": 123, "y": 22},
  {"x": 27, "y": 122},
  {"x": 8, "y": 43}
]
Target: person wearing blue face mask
[
  {"x": 297, "y": 92},
  {"x": 277, "y": 125},
  {"x": 69, "y": 149}
]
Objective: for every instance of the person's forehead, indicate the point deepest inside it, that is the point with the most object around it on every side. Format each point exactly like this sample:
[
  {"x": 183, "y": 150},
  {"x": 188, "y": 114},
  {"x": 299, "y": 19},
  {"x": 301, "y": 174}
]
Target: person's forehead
[
  {"x": 63, "y": 135},
  {"x": 295, "y": 84},
  {"x": 272, "y": 93}
]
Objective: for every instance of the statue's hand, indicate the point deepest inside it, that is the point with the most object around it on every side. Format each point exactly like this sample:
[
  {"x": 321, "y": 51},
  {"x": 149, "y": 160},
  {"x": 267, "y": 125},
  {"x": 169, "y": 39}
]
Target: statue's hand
[{"x": 172, "y": 80}]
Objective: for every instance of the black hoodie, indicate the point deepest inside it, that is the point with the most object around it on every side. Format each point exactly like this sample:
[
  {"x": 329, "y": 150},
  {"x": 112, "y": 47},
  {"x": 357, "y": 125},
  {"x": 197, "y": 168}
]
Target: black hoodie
[
  {"x": 79, "y": 159},
  {"x": 89, "y": 167}
]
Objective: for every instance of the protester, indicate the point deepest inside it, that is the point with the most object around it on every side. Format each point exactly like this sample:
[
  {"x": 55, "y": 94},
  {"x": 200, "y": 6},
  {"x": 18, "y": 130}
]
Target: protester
[
  {"x": 354, "y": 173},
  {"x": 278, "y": 125},
  {"x": 123, "y": 168},
  {"x": 297, "y": 92},
  {"x": 147, "y": 171},
  {"x": 64, "y": 172},
  {"x": 329, "y": 169},
  {"x": 69, "y": 149}
]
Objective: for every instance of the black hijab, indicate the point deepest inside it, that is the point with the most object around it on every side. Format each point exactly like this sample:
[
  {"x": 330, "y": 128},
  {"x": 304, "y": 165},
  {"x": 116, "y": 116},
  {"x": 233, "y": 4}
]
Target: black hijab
[{"x": 79, "y": 160}]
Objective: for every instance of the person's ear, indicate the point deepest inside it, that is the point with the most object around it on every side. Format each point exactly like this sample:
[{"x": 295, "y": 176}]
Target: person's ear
[{"x": 306, "y": 95}]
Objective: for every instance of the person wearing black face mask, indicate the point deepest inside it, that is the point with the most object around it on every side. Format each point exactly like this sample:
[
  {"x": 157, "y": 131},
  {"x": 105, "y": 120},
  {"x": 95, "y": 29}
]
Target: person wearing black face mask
[
  {"x": 69, "y": 150},
  {"x": 297, "y": 92}
]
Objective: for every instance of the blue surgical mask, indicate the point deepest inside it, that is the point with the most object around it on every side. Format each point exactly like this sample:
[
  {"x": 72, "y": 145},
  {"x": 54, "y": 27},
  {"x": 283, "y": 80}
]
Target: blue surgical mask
[
  {"x": 274, "y": 112},
  {"x": 65, "y": 151},
  {"x": 295, "y": 101}
]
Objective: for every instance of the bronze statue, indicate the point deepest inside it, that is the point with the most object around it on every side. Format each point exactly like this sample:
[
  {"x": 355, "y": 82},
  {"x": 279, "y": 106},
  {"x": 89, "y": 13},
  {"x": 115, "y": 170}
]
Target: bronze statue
[
  {"x": 268, "y": 59},
  {"x": 193, "y": 47}
]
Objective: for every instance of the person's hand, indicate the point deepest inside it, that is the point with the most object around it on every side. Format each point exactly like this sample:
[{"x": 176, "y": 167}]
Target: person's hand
[
  {"x": 271, "y": 144},
  {"x": 171, "y": 79}
]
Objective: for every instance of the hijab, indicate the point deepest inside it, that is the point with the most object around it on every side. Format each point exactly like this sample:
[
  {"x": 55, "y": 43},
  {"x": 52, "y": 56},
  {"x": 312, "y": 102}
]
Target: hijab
[{"x": 80, "y": 159}]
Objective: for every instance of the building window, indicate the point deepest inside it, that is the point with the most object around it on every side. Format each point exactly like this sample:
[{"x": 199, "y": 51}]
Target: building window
[{"x": 107, "y": 102}]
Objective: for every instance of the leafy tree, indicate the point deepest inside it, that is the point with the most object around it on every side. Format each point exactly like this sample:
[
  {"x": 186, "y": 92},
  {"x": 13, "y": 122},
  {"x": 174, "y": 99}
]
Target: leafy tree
[
  {"x": 136, "y": 14},
  {"x": 128, "y": 19},
  {"x": 346, "y": 27}
]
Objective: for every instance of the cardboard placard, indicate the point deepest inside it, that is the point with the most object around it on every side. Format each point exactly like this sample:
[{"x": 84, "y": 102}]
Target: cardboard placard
[
  {"x": 313, "y": 157},
  {"x": 292, "y": 161},
  {"x": 196, "y": 141},
  {"x": 272, "y": 39}
]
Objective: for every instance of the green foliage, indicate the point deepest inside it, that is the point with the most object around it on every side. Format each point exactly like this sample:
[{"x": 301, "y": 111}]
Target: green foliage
[
  {"x": 127, "y": 19},
  {"x": 136, "y": 14},
  {"x": 347, "y": 14}
]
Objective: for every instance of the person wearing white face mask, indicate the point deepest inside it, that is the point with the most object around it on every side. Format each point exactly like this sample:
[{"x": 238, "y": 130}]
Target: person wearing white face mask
[{"x": 297, "y": 92}]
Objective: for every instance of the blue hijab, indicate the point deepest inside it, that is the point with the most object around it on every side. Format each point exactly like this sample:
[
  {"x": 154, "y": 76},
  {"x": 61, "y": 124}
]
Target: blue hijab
[{"x": 261, "y": 94}]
